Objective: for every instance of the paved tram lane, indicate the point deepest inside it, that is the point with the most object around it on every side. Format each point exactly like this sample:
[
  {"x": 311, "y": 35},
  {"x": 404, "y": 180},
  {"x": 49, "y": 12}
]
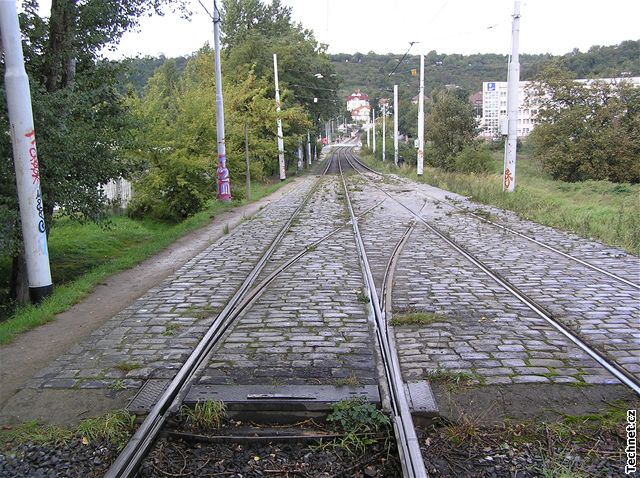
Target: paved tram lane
[
  {"x": 476, "y": 331},
  {"x": 308, "y": 327}
]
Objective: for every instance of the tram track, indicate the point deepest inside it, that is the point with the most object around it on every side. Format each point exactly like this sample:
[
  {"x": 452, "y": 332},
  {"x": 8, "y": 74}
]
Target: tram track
[
  {"x": 617, "y": 370},
  {"x": 170, "y": 402},
  {"x": 406, "y": 438},
  {"x": 512, "y": 231}
]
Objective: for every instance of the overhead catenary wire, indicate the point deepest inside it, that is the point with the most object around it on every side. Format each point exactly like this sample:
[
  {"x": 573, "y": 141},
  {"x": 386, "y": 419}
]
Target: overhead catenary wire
[{"x": 411, "y": 43}]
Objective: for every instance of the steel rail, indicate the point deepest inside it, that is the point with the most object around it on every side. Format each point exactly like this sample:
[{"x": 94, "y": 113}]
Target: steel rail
[
  {"x": 519, "y": 234},
  {"x": 130, "y": 458},
  {"x": 408, "y": 446},
  {"x": 616, "y": 370}
]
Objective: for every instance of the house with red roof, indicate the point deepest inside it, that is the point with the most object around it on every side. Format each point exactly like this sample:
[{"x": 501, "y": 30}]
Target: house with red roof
[{"x": 358, "y": 105}]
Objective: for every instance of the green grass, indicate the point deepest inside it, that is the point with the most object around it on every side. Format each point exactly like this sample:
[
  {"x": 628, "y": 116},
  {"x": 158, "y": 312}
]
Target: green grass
[
  {"x": 601, "y": 210},
  {"x": 115, "y": 427},
  {"x": 82, "y": 256},
  {"x": 205, "y": 415},
  {"x": 416, "y": 318}
]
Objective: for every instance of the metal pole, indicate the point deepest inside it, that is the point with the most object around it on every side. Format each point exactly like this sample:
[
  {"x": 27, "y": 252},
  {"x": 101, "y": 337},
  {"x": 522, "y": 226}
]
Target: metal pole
[
  {"x": 224, "y": 183},
  {"x": 420, "y": 168},
  {"x": 384, "y": 130},
  {"x": 246, "y": 154},
  {"x": 395, "y": 124},
  {"x": 368, "y": 134},
  {"x": 283, "y": 174},
  {"x": 513, "y": 103},
  {"x": 374, "y": 132},
  {"x": 308, "y": 148},
  {"x": 25, "y": 156}
]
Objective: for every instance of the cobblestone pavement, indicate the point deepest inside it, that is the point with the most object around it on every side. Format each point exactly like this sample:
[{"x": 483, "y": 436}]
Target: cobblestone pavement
[
  {"x": 309, "y": 326},
  {"x": 477, "y": 329},
  {"x": 605, "y": 311},
  {"x": 152, "y": 337}
]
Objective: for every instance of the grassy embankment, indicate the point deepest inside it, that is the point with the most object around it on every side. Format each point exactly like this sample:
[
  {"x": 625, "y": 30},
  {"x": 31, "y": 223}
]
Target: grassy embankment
[
  {"x": 83, "y": 255},
  {"x": 600, "y": 210}
]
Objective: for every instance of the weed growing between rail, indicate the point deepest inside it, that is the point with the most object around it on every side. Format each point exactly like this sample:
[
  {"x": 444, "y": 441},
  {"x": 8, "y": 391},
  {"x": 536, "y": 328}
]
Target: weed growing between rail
[
  {"x": 205, "y": 415},
  {"x": 599, "y": 210},
  {"x": 116, "y": 428},
  {"x": 416, "y": 318},
  {"x": 362, "y": 425}
]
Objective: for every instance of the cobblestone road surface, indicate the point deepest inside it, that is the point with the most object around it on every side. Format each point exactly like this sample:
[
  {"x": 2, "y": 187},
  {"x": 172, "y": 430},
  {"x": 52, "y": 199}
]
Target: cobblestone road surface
[{"x": 310, "y": 325}]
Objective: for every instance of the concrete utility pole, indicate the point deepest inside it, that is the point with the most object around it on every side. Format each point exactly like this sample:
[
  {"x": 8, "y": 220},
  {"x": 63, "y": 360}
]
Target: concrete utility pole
[
  {"x": 395, "y": 124},
  {"x": 283, "y": 174},
  {"x": 25, "y": 155},
  {"x": 308, "y": 148},
  {"x": 374, "y": 131},
  {"x": 246, "y": 154},
  {"x": 513, "y": 103},
  {"x": 368, "y": 134},
  {"x": 300, "y": 158},
  {"x": 224, "y": 183},
  {"x": 384, "y": 130},
  {"x": 420, "y": 168}
]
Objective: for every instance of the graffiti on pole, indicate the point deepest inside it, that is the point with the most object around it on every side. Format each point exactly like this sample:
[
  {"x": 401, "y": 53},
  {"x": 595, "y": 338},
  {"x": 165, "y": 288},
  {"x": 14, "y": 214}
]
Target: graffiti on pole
[
  {"x": 224, "y": 186},
  {"x": 508, "y": 178},
  {"x": 33, "y": 155}
]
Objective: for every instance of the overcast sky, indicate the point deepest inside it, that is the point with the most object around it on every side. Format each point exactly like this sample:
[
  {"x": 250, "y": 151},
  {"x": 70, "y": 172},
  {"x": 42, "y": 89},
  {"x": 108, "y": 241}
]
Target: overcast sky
[{"x": 447, "y": 26}]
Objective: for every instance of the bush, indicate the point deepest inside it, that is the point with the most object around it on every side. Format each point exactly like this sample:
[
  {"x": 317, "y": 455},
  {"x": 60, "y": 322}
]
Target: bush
[
  {"x": 173, "y": 188},
  {"x": 473, "y": 160}
]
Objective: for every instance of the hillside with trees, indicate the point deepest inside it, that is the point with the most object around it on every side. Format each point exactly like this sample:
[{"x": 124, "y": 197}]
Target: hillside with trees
[{"x": 370, "y": 72}]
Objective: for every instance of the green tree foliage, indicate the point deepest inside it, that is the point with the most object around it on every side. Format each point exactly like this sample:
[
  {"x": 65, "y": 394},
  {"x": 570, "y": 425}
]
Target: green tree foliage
[
  {"x": 370, "y": 72},
  {"x": 450, "y": 128},
  {"x": 178, "y": 139},
  {"x": 254, "y": 31},
  {"x": 587, "y": 131},
  {"x": 82, "y": 128}
]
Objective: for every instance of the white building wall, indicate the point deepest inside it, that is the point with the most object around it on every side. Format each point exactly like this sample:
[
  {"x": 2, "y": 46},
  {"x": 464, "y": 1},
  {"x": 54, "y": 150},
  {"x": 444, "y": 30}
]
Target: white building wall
[{"x": 119, "y": 191}]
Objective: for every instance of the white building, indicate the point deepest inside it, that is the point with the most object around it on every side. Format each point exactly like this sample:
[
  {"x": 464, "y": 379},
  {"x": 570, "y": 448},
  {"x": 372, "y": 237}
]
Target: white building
[
  {"x": 356, "y": 100},
  {"x": 361, "y": 114},
  {"x": 494, "y": 106},
  {"x": 494, "y": 109},
  {"x": 118, "y": 191}
]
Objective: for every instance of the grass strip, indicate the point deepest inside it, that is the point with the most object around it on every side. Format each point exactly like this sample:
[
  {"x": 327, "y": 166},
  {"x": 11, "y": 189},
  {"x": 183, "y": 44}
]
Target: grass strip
[
  {"x": 600, "y": 210},
  {"x": 104, "y": 252}
]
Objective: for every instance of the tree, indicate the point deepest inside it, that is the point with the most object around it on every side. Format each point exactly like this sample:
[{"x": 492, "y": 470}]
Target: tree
[
  {"x": 253, "y": 32},
  {"x": 178, "y": 135},
  {"x": 82, "y": 128},
  {"x": 451, "y": 127},
  {"x": 587, "y": 130}
]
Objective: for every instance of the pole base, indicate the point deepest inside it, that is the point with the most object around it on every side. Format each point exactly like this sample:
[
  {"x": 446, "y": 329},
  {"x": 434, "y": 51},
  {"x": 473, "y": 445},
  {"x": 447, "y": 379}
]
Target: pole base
[{"x": 38, "y": 294}]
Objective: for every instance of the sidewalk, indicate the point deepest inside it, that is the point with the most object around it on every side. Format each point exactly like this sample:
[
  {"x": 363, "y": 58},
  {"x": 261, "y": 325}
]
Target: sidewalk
[{"x": 32, "y": 351}]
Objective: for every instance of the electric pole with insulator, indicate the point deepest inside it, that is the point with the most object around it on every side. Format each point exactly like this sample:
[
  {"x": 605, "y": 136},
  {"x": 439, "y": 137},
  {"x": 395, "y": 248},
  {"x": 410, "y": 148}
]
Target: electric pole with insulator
[
  {"x": 283, "y": 174},
  {"x": 420, "y": 168},
  {"x": 395, "y": 124}
]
